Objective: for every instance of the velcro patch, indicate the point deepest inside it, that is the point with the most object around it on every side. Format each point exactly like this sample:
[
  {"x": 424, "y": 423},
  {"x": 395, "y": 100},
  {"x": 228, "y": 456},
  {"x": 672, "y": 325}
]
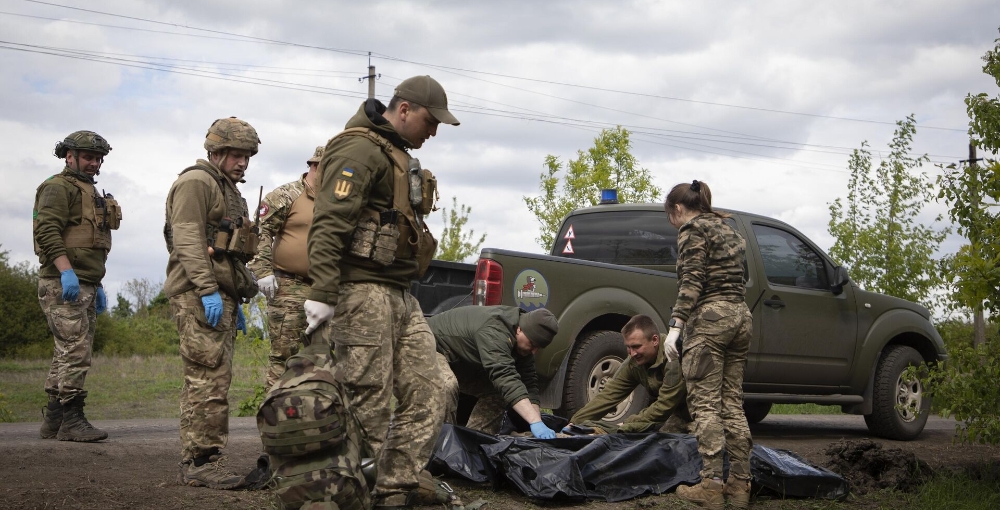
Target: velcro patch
[{"x": 342, "y": 189}]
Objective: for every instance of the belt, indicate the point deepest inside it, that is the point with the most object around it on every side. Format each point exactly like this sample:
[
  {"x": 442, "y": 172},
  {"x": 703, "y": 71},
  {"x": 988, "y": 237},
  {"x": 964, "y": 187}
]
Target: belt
[{"x": 282, "y": 274}]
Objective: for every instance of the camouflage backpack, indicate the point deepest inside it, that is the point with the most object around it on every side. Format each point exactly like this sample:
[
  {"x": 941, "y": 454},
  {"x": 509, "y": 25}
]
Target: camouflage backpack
[{"x": 314, "y": 441}]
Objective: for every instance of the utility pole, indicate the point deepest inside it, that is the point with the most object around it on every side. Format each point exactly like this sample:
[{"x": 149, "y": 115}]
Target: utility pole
[
  {"x": 371, "y": 77},
  {"x": 978, "y": 321}
]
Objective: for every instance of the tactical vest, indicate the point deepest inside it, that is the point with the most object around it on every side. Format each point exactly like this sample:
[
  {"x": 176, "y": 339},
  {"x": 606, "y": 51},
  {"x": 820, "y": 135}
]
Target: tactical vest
[
  {"x": 235, "y": 236},
  {"x": 414, "y": 194},
  {"x": 100, "y": 215},
  {"x": 312, "y": 437}
]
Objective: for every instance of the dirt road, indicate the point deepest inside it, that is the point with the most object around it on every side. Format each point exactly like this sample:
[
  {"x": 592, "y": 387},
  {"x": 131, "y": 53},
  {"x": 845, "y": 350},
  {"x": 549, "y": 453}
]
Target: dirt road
[{"x": 136, "y": 467}]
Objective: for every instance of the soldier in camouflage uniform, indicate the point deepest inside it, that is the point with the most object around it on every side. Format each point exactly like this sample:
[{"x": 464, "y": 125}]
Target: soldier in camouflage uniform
[
  {"x": 282, "y": 263},
  {"x": 367, "y": 243},
  {"x": 646, "y": 366},
  {"x": 208, "y": 237},
  {"x": 489, "y": 352},
  {"x": 72, "y": 226},
  {"x": 717, "y": 327}
]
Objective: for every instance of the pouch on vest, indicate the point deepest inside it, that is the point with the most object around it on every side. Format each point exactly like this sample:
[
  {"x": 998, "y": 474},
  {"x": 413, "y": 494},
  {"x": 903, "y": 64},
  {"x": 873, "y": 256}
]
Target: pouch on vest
[
  {"x": 376, "y": 237},
  {"x": 314, "y": 441}
]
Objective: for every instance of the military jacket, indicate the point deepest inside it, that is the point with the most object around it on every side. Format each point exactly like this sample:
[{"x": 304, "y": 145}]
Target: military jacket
[
  {"x": 195, "y": 201},
  {"x": 709, "y": 264},
  {"x": 274, "y": 211},
  {"x": 479, "y": 343},
  {"x": 58, "y": 206},
  {"x": 355, "y": 174},
  {"x": 663, "y": 378}
]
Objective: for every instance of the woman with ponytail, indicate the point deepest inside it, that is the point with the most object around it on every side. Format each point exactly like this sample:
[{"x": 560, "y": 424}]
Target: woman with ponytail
[{"x": 717, "y": 324}]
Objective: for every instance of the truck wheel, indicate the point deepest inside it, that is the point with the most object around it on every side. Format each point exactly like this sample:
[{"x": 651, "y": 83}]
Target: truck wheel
[
  {"x": 756, "y": 411},
  {"x": 593, "y": 364},
  {"x": 899, "y": 405}
]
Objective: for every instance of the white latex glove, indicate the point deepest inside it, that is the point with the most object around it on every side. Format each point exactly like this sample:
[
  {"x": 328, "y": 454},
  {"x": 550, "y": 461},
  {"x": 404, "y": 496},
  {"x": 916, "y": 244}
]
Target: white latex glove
[
  {"x": 317, "y": 313},
  {"x": 268, "y": 286},
  {"x": 670, "y": 344}
]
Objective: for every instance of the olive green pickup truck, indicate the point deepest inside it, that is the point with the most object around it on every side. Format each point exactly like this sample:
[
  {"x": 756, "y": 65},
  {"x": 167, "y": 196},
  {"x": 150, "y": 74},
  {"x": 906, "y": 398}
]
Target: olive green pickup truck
[{"x": 816, "y": 336}]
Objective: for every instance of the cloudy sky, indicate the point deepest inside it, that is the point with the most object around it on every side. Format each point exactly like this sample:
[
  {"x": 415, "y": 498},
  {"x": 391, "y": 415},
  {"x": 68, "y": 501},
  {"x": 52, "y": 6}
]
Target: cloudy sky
[{"x": 763, "y": 100}]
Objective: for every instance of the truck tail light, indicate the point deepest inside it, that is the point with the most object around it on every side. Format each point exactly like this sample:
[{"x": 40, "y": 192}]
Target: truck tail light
[{"x": 488, "y": 288}]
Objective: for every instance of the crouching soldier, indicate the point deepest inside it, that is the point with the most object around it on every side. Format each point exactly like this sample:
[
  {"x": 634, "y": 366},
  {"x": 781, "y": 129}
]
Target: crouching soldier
[
  {"x": 490, "y": 352},
  {"x": 646, "y": 366},
  {"x": 72, "y": 226}
]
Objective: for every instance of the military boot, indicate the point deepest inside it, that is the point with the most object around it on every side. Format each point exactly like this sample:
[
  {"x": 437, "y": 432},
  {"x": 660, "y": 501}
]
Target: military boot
[
  {"x": 52, "y": 418},
  {"x": 209, "y": 471},
  {"x": 737, "y": 494},
  {"x": 75, "y": 426},
  {"x": 707, "y": 494}
]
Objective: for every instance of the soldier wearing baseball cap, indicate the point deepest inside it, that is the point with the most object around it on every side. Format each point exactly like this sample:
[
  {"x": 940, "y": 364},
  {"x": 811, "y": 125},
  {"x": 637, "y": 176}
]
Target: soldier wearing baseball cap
[{"x": 427, "y": 92}]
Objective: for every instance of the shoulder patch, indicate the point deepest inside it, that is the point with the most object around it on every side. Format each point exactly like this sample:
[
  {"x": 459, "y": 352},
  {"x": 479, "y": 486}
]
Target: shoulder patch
[
  {"x": 347, "y": 172},
  {"x": 263, "y": 209},
  {"x": 342, "y": 189}
]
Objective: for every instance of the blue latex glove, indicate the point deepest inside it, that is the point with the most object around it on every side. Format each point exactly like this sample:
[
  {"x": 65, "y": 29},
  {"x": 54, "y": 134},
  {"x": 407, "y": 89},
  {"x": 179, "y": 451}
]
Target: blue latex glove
[
  {"x": 541, "y": 431},
  {"x": 241, "y": 320},
  {"x": 213, "y": 308},
  {"x": 70, "y": 285},
  {"x": 102, "y": 301}
]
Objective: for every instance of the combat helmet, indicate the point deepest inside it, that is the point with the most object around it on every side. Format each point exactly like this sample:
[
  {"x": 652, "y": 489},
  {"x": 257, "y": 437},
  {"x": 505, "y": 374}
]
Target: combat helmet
[
  {"x": 317, "y": 155},
  {"x": 232, "y": 133},
  {"x": 82, "y": 141}
]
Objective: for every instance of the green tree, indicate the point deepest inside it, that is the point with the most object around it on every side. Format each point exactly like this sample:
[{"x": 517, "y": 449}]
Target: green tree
[
  {"x": 123, "y": 309},
  {"x": 22, "y": 323},
  {"x": 876, "y": 232},
  {"x": 608, "y": 164},
  {"x": 456, "y": 244}
]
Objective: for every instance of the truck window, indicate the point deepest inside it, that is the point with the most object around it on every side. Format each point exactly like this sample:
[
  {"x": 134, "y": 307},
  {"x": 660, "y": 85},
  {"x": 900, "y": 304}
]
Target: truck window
[
  {"x": 631, "y": 238},
  {"x": 788, "y": 260}
]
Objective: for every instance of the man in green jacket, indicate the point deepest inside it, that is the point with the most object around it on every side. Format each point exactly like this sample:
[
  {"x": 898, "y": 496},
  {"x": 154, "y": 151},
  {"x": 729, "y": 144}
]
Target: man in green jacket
[
  {"x": 367, "y": 242},
  {"x": 72, "y": 226},
  {"x": 491, "y": 353},
  {"x": 646, "y": 366},
  {"x": 209, "y": 240}
]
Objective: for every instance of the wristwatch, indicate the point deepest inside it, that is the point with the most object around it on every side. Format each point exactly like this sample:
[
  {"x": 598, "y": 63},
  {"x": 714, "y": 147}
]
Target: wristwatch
[{"x": 674, "y": 324}]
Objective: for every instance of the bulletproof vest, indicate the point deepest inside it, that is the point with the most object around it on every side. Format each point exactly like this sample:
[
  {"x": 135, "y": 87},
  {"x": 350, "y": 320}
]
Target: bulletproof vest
[
  {"x": 414, "y": 193},
  {"x": 313, "y": 439},
  {"x": 100, "y": 215}
]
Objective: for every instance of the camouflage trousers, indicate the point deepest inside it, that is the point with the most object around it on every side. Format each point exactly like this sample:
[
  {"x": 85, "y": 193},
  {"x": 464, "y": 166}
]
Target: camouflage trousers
[
  {"x": 286, "y": 323},
  {"x": 716, "y": 342},
  {"x": 487, "y": 415},
  {"x": 384, "y": 347},
  {"x": 207, "y": 354},
  {"x": 73, "y": 325}
]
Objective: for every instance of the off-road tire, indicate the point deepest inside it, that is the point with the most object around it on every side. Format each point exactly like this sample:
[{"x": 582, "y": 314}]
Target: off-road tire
[
  {"x": 890, "y": 389},
  {"x": 756, "y": 411},
  {"x": 596, "y": 348}
]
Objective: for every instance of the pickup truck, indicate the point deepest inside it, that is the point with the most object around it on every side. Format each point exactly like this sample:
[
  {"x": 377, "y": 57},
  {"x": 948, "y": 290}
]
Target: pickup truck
[{"x": 817, "y": 337}]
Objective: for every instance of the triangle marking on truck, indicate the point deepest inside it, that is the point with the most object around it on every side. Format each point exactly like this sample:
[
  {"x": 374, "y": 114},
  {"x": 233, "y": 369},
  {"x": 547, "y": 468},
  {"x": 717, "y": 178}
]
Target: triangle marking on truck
[{"x": 568, "y": 248}]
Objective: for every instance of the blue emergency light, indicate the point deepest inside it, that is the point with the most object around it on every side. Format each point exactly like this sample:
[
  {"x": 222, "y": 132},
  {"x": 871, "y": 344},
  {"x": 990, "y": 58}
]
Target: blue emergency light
[{"x": 609, "y": 196}]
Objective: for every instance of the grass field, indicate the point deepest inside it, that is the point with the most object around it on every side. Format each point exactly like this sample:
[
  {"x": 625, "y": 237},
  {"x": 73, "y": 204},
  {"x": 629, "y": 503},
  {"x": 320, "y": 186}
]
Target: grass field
[{"x": 123, "y": 388}]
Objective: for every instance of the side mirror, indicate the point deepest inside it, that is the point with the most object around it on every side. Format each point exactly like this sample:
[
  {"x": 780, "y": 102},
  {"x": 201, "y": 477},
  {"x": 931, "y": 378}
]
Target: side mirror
[{"x": 840, "y": 278}]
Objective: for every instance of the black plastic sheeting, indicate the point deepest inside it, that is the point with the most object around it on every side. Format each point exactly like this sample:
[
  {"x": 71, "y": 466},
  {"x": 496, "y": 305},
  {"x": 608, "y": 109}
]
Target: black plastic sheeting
[{"x": 613, "y": 467}]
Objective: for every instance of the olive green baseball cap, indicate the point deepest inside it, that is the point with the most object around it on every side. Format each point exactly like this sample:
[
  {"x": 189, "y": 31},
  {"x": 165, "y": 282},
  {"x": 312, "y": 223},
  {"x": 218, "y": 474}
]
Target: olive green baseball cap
[{"x": 427, "y": 92}]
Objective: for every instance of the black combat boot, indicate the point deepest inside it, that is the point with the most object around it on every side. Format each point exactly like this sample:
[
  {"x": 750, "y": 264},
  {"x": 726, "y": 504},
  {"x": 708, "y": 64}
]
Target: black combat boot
[
  {"x": 52, "y": 418},
  {"x": 75, "y": 426}
]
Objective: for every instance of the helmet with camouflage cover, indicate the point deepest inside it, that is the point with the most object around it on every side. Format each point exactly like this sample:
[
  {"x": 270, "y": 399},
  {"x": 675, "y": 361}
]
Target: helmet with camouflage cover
[
  {"x": 83, "y": 141},
  {"x": 317, "y": 155},
  {"x": 231, "y": 133}
]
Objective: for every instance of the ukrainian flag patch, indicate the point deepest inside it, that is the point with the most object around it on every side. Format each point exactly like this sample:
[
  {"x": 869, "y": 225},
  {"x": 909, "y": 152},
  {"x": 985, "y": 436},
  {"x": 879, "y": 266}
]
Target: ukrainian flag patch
[{"x": 347, "y": 172}]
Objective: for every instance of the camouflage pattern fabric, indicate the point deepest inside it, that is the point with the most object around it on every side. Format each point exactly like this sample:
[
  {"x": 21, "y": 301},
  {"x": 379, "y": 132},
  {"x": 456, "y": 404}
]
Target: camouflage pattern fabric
[
  {"x": 73, "y": 325},
  {"x": 286, "y": 322},
  {"x": 274, "y": 210},
  {"x": 709, "y": 264},
  {"x": 717, "y": 339},
  {"x": 314, "y": 441},
  {"x": 207, "y": 354},
  {"x": 384, "y": 347},
  {"x": 487, "y": 415}
]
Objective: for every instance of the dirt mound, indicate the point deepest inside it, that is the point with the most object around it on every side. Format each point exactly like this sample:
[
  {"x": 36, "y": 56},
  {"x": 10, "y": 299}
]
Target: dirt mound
[{"x": 867, "y": 466}]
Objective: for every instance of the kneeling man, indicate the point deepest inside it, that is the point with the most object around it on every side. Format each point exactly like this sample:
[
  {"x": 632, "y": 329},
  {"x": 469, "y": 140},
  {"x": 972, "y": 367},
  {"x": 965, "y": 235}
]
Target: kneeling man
[
  {"x": 490, "y": 351},
  {"x": 646, "y": 366}
]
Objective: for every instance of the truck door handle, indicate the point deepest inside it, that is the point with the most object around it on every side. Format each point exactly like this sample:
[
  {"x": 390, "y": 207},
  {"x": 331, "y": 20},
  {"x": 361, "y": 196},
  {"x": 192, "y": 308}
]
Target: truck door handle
[{"x": 774, "y": 303}]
